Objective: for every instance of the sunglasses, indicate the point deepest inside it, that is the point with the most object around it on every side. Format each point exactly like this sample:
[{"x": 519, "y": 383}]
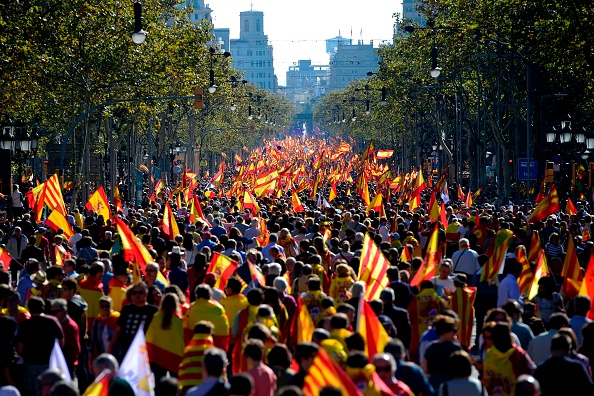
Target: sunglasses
[
  {"x": 138, "y": 292},
  {"x": 385, "y": 369}
]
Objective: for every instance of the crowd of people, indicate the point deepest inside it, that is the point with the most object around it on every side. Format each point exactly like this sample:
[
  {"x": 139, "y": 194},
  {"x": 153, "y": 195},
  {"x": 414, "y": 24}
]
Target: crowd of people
[{"x": 452, "y": 334}]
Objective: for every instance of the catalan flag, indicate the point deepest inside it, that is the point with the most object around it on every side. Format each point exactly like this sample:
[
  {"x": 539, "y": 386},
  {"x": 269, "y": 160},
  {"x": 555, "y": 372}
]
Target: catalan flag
[
  {"x": 373, "y": 269},
  {"x": 326, "y": 372},
  {"x": 143, "y": 168},
  {"x": 53, "y": 194},
  {"x": 223, "y": 267},
  {"x": 463, "y": 305},
  {"x": 548, "y": 206},
  {"x": 526, "y": 276},
  {"x": 498, "y": 248},
  {"x": 370, "y": 328}
]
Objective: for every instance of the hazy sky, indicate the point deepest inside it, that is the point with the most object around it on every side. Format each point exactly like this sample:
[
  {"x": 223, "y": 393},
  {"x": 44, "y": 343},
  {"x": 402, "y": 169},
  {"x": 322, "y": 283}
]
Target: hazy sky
[{"x": 297, "y": 29}]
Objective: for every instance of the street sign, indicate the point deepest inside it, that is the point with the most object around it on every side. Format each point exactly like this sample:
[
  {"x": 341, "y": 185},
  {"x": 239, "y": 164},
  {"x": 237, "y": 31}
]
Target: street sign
[{"x": 526, "y": 171}]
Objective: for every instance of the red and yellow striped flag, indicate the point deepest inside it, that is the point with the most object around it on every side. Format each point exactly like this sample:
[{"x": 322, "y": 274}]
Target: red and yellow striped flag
[
  {"x": 326, "y": 372},
  {"x": 370, "y": 328},
  {"x": 170, "y": 227},
  {"x": 53, "y": 194},
  {"x": 432, "y": 258},
  {"x": 5, "y": 257},
  {"x": 498, "y": 249},
  {"x": 542, "y": 269},
  {"x": 373, "y": 269},
  {"x": 526, "y": 276},
  {"x": 463, "y": 305},
  {"x": 223, "y": 267}
]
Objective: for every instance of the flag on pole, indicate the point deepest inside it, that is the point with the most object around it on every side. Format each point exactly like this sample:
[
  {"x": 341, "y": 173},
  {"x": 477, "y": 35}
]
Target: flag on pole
[
  {"x": 570, "y": 208},
  {"x": 295, "y": 201},
  {"x": 170, "y": 227},
  {"x": 57, "y": 220},
  {"x": 223, "y": 267},
  {"x": 548, "y": 206},
  {"x": 373, "y": 269},
  {"x": 542, "y": 269},
  {"x": 382, "y": 154},
  {"x": 571, "y": 266},
  {"x": 587, "y": 288},
  {"x": 333, "y": 193},
  {"x": 444, "y": 194},
  {"x": 135, "y": 367},
  {"x": 526, "y": 276},
  {"x": 53, "y": 194},
  {"x": 98, "y": 203},
  {"x": 370, "y": 328},
  {"x": 433, "y": 207},
  {"x": 468, "y": 201},
  {"x": 100, "y": 387},
  {"x": 58, "y": 361},
  {"x": 432, "y": 258},
  {"x": 302, "y": 328},
  {"x": 498, "y": 247}
]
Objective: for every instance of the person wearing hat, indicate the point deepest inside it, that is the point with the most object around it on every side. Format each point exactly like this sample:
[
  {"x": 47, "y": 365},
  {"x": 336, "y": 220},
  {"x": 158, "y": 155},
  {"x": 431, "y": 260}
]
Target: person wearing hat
[
  {"x": 39, "y": 280},
  {"x": 177, "y": 275}
]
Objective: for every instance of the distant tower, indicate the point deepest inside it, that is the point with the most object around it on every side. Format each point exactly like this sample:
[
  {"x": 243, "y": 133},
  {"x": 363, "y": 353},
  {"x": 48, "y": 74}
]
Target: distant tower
[
  {"x": 200, "y": 11},
  {"x": 410, "y": 12},
  {"x": 251, "y": 52}
]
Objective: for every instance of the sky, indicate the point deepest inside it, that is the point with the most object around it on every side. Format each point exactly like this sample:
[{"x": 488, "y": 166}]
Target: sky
[{"x": 297, "y": 29}]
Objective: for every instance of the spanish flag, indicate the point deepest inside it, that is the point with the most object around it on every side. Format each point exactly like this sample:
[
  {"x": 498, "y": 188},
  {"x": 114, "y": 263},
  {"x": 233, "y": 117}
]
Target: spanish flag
[
  {"x": 377, "y": 204},
  {"x": 57, "y": 220},
  {"x": 432, "y": 258},
  {"x": 548, "y": 206},
  {"x": 303, "y": 327},
  {"x": 370, "y": 328},
  {"x": 326, "y": 372},
  {"x": 101, "y": 385},
  {"x": 542, "y": 269},
  {"x": 460, "y": 193},
  {"x": 223, "y": 267},
  {"x": 4, "y": 257},
  {"x": 373, "y": 269},
  {"x": 468, "y": 201},
  {"x": 98, "y": 202},
  {"x": 570, "y": 208},
  {"x": 170, "y": 227},
  {"x": 587, "y": 288},
  {"x": 117, "y": 199},
  {"x": 433, "y": 208},
  {"x": 61, "y": 255},
  {"x": 249, "y": 202},
  {"x": 165, "y": 347},
  {"x": 333, "y": 193}
]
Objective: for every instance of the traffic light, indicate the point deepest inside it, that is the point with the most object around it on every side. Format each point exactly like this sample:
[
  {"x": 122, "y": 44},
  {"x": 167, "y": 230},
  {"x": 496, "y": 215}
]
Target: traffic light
[
  {"x": 198, "y": 101},
  {"x": 549, "y": 172}
]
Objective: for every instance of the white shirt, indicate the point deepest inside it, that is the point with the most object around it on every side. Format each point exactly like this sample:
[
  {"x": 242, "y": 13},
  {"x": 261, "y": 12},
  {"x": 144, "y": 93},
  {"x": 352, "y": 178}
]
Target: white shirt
[
  {"x": 465, "y": 260},
  {"x": 385, "y": 233},
  {"x": 508, "y": 289},
  {"x": 446, "y": 284}
]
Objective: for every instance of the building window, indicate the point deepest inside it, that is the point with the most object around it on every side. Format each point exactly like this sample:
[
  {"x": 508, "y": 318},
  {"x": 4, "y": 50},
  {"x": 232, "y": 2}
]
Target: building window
[
  {"x": 249, "y": 53},
  {"x": 257, "y": 25},
  {"x": 246, "y": 25}
]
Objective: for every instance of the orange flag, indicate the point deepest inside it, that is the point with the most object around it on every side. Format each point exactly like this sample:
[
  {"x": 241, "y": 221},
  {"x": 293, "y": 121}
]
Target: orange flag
[
  {"x": 370, "y": 328},
  {"x": 373, "y": 269},
  {"x": 170, "y": 227}
]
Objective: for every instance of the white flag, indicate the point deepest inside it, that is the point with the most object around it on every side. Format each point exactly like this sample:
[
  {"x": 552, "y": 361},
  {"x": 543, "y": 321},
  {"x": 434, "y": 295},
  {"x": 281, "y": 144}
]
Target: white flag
[
  {"x": 444, "y": 194},
  {"x": 326, "y": 204},
  {"x": 58, "y": 362},
  {"x": 319, "y": 203},
  {"x": 135, "y": 367}
]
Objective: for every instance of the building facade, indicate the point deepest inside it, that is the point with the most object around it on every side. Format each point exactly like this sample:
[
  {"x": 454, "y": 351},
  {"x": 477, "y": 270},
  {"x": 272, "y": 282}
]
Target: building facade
[
  {"x": 351, "y": 62},
  {"x": 411, "y": 14},
  {"x": 251, "y": 52}
]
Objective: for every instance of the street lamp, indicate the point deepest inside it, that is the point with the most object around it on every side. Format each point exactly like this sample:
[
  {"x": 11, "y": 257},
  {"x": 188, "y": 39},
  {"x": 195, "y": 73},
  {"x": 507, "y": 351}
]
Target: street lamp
[
  {"x": 138, "y": 35},
  {"x": 212, "y": 88}
]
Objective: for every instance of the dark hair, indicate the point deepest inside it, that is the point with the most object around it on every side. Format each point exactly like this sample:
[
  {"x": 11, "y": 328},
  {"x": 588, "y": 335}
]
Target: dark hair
[
  {"x": 460, "y": 364},
  {"x": 355, "y": 342},
  {"x": 203, "y": 291},
  {"x": 169, "y": 305},
  {"x": 255, "y": 297},
  {"x": 561, "y": 343},
  {"x": 241, "y": 384},
  {"x": 501, "y": 336},
  {"x": 305, "y": 350},
  {"x": 396, "y": 348},
  {"x": 234, "y": 284},
  {"x": 582, "y": 305},
  {"x": 70, "y": 284},
  {"x": 215, "y": 361},
  {"x": 443, "y": 324},
  {"x": 36, "y": 305},
  {"x": 254, "y": 349},
  {"x": 339, "y": 321},
  {"x": 279, "y": 355},
  {"x": 357, "y": 359},
  {"x": 203, "y": 327}
]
